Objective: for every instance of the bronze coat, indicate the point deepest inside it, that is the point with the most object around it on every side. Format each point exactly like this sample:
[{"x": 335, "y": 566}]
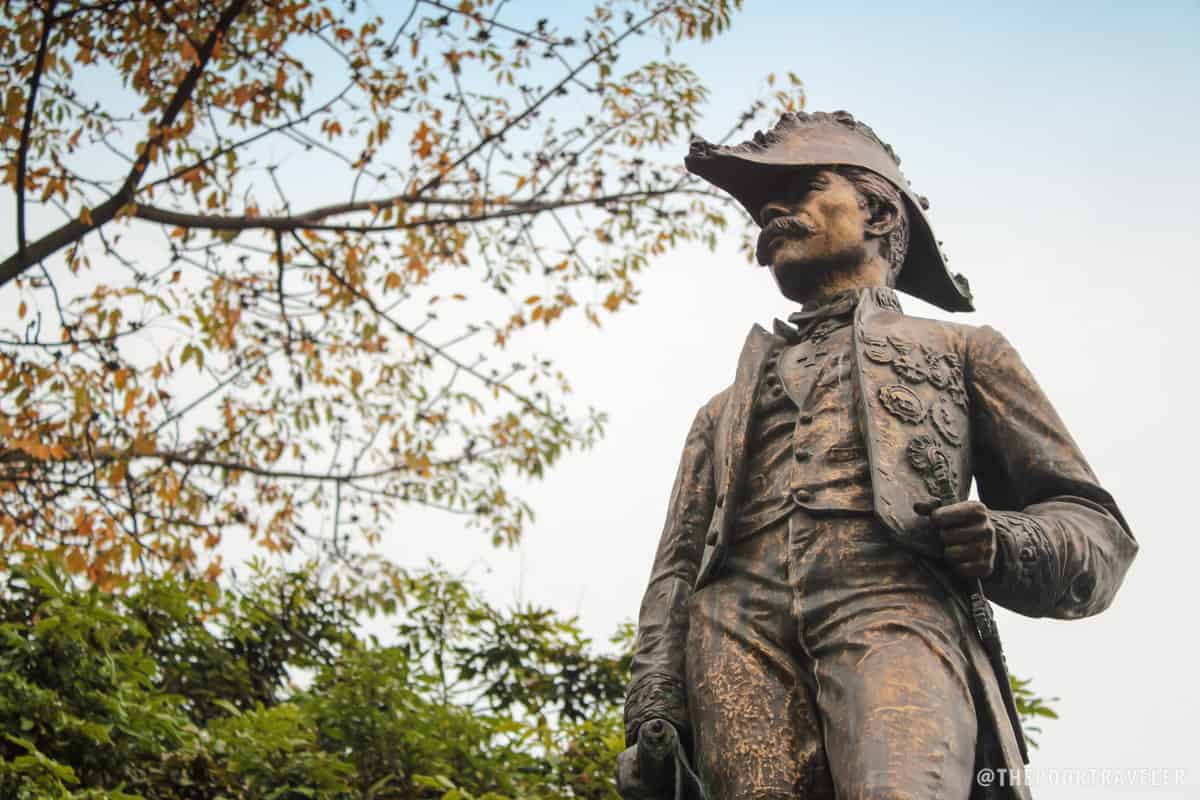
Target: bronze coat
[{"x": 953, "y": 394}]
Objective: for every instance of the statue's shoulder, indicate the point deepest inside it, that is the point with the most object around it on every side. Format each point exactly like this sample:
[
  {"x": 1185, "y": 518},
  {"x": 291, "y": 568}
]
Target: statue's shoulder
[
  {"x": 712, "y": 410},
  {"x": 981, "y": 349},
  {"x": 960, "y": 336}
]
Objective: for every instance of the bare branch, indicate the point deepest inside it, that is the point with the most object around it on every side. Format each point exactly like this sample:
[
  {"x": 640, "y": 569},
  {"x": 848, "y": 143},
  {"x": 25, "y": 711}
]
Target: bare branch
[
  {"x": 108, "y": 455},
  {"x": 535, "y": 105},
  {"x": 27, "y": 126},
  {"x": 311, "y": 220}
]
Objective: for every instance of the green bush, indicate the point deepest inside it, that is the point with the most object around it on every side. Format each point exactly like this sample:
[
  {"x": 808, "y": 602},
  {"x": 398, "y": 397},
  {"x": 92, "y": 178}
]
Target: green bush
[{"x": 174, "y": 690}]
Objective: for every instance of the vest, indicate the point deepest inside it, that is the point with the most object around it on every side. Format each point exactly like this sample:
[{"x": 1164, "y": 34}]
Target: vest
[{"x": 806, "y": 447}]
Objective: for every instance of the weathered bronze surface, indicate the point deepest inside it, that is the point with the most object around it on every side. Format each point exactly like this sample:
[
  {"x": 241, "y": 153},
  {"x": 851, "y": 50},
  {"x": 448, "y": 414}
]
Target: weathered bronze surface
[{"x": 817, "y": 621}]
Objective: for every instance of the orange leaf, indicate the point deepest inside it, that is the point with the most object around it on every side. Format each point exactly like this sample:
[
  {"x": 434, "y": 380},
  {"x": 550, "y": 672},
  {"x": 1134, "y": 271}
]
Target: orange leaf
[
  {"x": 76, "y": 561},
  {"x": 119, "y": 471}
]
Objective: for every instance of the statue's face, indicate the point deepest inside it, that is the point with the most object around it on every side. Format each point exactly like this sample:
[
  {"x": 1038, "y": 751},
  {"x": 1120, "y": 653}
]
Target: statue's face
[{"x": 817, "y": 225}]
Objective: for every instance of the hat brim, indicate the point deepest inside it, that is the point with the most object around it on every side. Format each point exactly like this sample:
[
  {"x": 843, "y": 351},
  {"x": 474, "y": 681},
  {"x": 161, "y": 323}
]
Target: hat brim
[{"x": 754, "y": 178}]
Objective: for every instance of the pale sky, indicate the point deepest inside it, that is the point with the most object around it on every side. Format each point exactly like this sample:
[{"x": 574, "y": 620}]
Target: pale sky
[{"x": 1058, "y": 149}]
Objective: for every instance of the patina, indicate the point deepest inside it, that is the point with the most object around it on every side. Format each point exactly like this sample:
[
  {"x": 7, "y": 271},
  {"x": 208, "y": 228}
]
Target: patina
[{"x": 817, "y": 622}]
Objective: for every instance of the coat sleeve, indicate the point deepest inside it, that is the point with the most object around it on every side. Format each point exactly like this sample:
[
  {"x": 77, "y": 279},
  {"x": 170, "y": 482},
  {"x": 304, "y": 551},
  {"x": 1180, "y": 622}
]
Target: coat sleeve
[
  {"x": 657, "y": 687},
  {"x": 1063, "y": 545}
]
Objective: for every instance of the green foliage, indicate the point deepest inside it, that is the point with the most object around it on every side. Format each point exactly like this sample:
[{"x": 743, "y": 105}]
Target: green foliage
[
  {"x": 1031, "y": 708},
  {"x": 271, "y": 691},
  {"x": 176, "y": 690}
]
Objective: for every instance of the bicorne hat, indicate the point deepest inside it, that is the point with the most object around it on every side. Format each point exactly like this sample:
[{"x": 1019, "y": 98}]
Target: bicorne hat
[{"x": 751, "y": 172}]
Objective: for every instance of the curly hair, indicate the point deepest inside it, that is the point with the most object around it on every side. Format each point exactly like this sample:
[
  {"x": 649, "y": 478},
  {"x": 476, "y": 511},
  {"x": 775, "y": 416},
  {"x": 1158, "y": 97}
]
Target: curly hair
[{"x": 877, "y": 191}]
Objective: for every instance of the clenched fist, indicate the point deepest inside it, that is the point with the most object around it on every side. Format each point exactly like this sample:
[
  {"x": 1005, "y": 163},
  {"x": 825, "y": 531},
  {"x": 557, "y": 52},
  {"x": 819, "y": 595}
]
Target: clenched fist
[{"x": 968, "y": 536}]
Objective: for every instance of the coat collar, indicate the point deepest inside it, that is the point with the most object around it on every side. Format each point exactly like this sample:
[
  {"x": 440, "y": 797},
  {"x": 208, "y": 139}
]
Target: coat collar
[{"x": 865, "y": 301}]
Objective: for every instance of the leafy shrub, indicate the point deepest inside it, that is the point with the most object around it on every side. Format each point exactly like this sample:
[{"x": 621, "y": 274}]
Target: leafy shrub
[
  {"x": 175, "y": 690},
  {"x": 178, "y": 691}
]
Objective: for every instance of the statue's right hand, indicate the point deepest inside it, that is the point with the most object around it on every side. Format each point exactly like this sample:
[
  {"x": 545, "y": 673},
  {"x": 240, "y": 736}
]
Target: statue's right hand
[
  {"x": 629, "y": 779},
  {"x": 646, "y": 771}
]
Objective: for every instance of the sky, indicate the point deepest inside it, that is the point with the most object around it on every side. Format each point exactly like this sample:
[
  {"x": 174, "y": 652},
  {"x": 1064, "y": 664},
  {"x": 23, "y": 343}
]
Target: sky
[{"x": 1057, "y": 145}]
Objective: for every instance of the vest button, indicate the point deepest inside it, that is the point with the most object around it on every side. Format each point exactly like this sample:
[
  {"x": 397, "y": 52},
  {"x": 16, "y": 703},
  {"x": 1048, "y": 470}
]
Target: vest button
[
  {"x": 803, "y": 455},
  {"x": 801, "y": 496},
  {"x": 806, "y": 419}
]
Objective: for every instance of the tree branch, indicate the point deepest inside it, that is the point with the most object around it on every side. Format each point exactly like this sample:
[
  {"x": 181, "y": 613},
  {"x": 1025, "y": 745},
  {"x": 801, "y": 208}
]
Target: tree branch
[
  {"x": 433, "y": 348},
  {"x": 311, "y": 220},
  {"x": 108, "y": 455},
  {"x": 27, "y": 127},
  {"x": 535, "y": 105},
  {"x": 16, "y": 264}
]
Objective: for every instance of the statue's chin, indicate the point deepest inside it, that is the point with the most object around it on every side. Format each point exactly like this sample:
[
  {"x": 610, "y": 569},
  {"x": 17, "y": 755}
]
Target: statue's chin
[{"x": 801, "y": 280}]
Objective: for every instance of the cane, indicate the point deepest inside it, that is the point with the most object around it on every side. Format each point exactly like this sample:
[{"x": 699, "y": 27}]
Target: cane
[
  {"x": 657, "y": 768},
  {"x": 981, "y": 609}
]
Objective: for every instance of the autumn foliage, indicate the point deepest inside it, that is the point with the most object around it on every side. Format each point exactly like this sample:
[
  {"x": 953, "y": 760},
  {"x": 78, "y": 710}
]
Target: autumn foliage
[{"x": 275, "y": 263}]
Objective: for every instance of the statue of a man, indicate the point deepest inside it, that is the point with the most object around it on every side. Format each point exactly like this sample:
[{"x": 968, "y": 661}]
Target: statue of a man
[{"x": 815, "y": 623}]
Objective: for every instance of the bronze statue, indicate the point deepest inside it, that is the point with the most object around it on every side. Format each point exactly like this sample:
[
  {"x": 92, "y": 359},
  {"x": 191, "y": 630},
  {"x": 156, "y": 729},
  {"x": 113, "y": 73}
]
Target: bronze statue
[{"x": 817, "y": 622}]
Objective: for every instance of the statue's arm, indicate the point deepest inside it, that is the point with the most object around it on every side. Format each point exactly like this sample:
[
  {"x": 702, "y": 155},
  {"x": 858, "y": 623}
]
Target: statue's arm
[
  {"x": 1063, "y": 546},
  {"x": 657, "y": 687}
]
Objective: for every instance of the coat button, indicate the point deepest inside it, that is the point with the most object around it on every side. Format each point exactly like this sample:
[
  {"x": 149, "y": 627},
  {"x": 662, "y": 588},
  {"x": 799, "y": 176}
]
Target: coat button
[
  {"x": 806, "y": 419},
  {"x": 801, "y": 496},
  {"x": 720, "y": 500},
  {"x": 803, "y": 455},
  {"x": 711, "y": 539}
]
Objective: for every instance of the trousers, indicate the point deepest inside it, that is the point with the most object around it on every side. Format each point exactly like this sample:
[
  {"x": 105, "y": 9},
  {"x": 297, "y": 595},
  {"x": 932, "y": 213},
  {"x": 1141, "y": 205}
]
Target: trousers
[{"x": 826, "y": 661}]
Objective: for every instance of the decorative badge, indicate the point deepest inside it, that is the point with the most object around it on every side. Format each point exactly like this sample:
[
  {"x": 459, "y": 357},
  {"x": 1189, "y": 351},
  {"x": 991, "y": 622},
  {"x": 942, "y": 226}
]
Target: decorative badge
[
  {"x": 931, "y": 462},
  {"x": 876, "y": 348},
  {"x": 938, "y": 371},
  {"x": 910, "y": 369},
  {"x": 945, "y": 372},
  {"x": 943, "y": 418},
  {"x": 886, "y": 298},
  {"x": 957, "y": 391},
  {"x": 902, "y": 402}
]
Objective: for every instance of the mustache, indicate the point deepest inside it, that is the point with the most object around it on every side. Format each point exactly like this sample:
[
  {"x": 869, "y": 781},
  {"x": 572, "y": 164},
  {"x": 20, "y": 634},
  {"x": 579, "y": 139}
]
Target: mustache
[{"x": 780, "y": 226}]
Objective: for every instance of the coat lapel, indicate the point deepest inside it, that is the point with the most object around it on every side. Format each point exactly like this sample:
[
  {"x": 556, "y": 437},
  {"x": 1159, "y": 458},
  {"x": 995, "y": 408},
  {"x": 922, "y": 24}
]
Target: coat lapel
[{"x": 732, "y": 433}]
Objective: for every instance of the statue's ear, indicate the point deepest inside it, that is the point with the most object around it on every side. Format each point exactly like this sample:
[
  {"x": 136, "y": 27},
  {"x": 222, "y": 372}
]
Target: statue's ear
[{"x": 883, "y": 219}]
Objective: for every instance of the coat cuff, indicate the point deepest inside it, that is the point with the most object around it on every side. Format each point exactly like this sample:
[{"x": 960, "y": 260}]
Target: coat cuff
[
  {"x": 658, "y": 695},
  {"x": 1024, "y": 556}
]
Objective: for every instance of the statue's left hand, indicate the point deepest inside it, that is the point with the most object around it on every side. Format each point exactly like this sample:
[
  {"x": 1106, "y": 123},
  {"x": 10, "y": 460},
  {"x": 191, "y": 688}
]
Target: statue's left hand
[{"x": 968, "y": 538}]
